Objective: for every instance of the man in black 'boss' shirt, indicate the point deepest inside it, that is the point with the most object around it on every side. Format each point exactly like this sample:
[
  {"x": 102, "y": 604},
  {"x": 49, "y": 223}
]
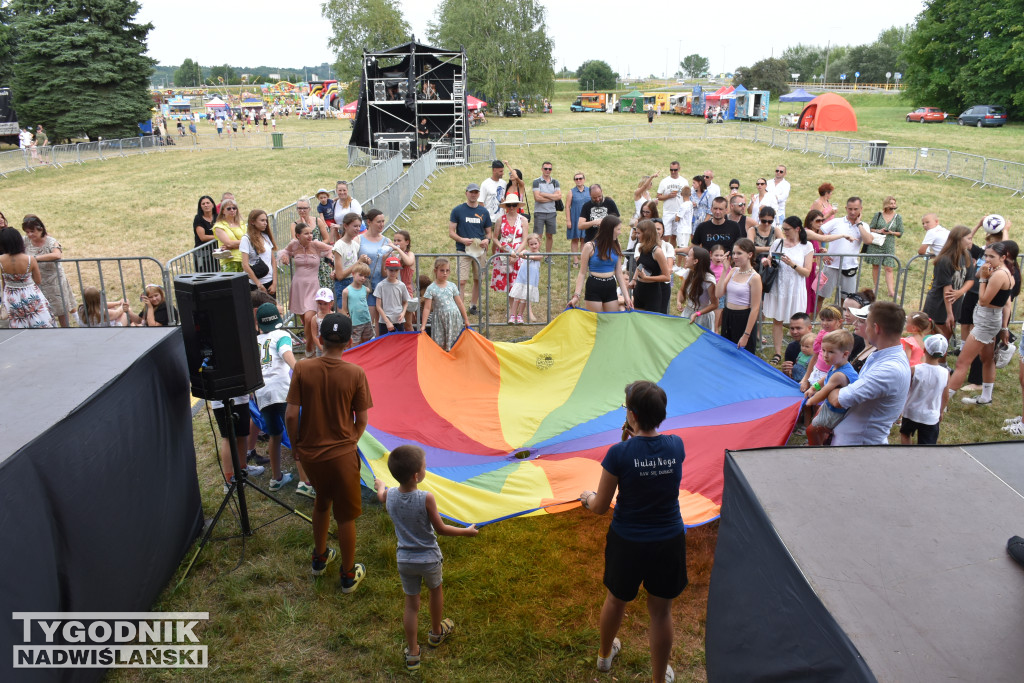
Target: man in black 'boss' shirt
[{"x": 718, "y": 230}]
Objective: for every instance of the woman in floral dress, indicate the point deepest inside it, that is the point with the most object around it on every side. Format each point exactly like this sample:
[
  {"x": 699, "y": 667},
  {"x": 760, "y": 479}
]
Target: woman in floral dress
[
  {"x": 22, "y": 299},
  {"x": 507, "y": 239}
]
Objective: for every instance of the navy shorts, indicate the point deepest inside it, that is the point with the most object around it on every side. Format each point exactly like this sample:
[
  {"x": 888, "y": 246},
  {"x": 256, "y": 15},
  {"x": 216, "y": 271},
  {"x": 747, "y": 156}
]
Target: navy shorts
[
  {"x": 273, "y": 416},
  {"x": 659, "y": 565}
]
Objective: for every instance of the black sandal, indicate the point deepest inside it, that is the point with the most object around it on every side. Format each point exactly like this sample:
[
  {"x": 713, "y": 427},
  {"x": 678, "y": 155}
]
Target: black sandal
[{"x": 776, "y": 359}]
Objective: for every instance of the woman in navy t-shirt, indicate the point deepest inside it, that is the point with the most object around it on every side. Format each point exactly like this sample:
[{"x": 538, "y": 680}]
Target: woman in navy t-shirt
[{"x": 646, "y": 541}]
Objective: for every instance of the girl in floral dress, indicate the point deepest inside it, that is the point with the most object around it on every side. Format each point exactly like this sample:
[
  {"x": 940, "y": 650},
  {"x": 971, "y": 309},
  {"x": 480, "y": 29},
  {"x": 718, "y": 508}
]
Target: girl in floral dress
[{"x": 442, "y": 299}]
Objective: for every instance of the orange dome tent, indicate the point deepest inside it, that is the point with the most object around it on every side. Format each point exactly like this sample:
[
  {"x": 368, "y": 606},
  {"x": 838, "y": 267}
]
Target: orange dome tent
[{"x": 828, "y": 112}]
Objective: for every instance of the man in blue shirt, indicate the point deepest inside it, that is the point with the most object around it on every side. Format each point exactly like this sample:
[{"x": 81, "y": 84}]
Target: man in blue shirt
[
  {"x": 877, "y": 397},
  {"x": 470, "y": 226}
]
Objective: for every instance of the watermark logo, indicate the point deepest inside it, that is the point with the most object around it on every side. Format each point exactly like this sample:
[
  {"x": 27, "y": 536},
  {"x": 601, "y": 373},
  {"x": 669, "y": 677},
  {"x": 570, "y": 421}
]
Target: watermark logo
[{"x": 116, "y": 640}]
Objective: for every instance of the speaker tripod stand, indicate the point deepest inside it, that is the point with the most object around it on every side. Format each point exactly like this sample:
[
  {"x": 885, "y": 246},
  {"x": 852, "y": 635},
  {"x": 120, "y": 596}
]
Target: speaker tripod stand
[{"x": 239, "y": 484}]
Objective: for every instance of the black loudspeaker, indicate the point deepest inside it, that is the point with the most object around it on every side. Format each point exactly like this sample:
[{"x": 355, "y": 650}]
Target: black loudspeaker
[{"x": 220, "y": 334}]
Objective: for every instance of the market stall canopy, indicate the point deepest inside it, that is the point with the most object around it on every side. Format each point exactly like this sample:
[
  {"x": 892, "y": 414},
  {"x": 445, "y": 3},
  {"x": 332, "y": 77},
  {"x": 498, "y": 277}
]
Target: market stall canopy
[
  {"x": 473, "y": 103},
  {"x": 798, "y": 95},
  {"x": 216, "y": 103}
]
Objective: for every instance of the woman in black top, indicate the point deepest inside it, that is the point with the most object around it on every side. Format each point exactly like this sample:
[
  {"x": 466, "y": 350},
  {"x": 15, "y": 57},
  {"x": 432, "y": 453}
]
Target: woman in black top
[
  {"x": 202, "y": 232},
  {"x": 951, "y": 280},
  {"x": 652, "y": 269},
  {"x": 995, "y": 284}
]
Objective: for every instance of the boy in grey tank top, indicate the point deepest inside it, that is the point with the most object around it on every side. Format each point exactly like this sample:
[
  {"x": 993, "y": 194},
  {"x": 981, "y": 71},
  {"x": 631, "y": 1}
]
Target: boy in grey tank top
[{"x": 415, "y": 517}]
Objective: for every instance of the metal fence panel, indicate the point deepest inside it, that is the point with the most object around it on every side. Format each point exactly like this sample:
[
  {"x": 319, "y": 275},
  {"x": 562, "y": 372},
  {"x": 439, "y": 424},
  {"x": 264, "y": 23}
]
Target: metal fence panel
[
  {"x": 121, "y": 278},
  {"x": 14, "y": 160},
  {"x": 966, "y": 166},
  {"x": 932, "y": 160},
  {"x": 1008, "y": 175}
]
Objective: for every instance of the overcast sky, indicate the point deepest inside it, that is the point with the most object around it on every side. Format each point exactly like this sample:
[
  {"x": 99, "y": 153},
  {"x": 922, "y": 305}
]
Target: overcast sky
[{"x": 730, "y": 34}]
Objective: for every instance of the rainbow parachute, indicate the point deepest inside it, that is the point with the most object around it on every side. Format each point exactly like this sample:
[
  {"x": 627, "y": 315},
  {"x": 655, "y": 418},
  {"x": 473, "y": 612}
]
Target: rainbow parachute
[{"x": 513, "y": 429}]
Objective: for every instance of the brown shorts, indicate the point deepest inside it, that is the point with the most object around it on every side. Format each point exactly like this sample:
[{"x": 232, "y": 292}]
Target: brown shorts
[{"x": 336, "y": 481}]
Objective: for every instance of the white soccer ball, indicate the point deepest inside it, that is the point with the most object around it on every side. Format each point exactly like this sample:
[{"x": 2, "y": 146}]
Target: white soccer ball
[{"x": 993, "y": 223}]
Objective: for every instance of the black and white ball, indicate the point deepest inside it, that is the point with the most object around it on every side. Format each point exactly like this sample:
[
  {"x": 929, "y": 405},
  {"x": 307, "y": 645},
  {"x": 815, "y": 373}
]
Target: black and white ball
[{"x": 993, "y": 223}]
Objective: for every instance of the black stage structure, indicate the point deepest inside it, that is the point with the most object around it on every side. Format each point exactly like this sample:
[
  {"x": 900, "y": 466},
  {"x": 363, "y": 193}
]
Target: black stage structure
[
  {"x": 880, "y": 563},
  {"x": 403, "y": 85},
  {"x": 100, "y": 499}
]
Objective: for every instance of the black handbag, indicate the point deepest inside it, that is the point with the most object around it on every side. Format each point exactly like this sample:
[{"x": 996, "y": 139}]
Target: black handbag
[
  {"x": 769, "y": 274},
  {"x": 559, "y": 205},
  {"x": 260, "y": 268}
]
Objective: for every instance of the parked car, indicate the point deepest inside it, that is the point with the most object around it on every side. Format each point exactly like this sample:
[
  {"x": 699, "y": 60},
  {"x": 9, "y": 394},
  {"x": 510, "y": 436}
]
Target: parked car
[
  {"x": 983, "y": 115},
  {"x": 513, "y": 109},
  {"x": 927, "y": 115}
]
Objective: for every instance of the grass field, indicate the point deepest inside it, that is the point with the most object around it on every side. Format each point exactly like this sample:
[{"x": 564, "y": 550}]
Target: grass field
[{"x": 525, "y": 593}]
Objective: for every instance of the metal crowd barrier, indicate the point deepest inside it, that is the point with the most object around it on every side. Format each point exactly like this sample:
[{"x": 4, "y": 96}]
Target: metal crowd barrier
[
  {"x": 125, "y": 277},
  {"x": 551, "y": 306}
]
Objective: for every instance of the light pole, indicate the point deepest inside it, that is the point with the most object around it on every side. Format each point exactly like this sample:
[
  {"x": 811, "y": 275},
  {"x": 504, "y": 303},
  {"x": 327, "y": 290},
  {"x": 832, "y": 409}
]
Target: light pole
[{"x": 828, "y": 51}]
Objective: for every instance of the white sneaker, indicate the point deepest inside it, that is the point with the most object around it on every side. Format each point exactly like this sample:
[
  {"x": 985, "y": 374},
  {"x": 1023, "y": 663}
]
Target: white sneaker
[
  {"x": 1017, "y": 429},
  {"x": 604, "y": 664},
  {"x": 255, "y": 470},
  {"x": 304, "y": 489},
  {"x": 670, "y": 674},
  {"x": 975, "y": 401},
  {"x": 1012, "y": 421},
  {"x": 277, "y": 484}
]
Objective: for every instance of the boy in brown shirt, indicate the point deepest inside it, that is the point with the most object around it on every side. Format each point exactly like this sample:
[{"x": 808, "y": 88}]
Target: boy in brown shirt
[{"x": 334, "y": 397}]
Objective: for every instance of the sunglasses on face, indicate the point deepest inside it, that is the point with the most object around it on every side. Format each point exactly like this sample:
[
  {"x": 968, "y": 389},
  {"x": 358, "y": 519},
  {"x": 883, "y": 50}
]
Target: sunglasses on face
[
  {"x": 779, "y": 171},
  {"x": 546, "y": 168},
  {"x": 759, "y": 184},
  {"x": 577, "y": 178},
  {"x": 765, "y": 221},
  {"x": 707, "y": 177}
]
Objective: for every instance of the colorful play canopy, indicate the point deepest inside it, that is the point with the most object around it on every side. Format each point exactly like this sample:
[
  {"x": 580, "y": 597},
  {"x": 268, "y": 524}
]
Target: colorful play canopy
[{"x": 513, "y": 429}]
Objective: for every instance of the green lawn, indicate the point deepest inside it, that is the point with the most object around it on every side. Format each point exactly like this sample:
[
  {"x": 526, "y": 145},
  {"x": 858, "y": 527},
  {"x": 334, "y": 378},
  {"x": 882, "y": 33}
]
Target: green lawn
[{"x": 525, "y": 593}]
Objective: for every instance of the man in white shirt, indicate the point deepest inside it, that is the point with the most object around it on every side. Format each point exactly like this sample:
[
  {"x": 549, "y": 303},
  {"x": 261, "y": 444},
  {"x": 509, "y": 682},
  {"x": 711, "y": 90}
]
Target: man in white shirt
[
  {"x": 709, "y": 181},
  {"x": 934, "y": 235},
  {"x": 669, "y": 194},
  {"x": 874, "y": 400},
  {"x": 780, "y": 188},
  {"x": 492, "y": 190},
  {"x": 840, "y": 269}
]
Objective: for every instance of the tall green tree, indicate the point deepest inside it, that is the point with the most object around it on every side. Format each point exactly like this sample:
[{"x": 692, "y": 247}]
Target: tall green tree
[
  {"x": 362, "y": 24},
  {"x": 596, "y": 74},
  {"x": 223, "y": 75},
  {"x": 695, "y": 66},
  {"x": 769, "y": 74},
  {"x": 81, "y": 67},
  {"x": 7, "y": 36},
  {"x": 507, "y": 45},
  {"x": 962, "y": 53},
  {"x": 189, "y": 74}
]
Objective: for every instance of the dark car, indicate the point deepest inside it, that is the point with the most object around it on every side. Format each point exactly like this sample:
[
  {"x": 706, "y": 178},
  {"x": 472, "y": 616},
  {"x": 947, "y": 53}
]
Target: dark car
[
  {"x": 983, "y": 115},
  {"x": 513, "y": 109}
]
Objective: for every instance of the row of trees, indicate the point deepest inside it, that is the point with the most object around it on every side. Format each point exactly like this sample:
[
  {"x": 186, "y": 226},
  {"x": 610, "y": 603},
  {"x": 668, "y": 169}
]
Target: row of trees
[
  {"x": 78, "y": 68},
  {"x": 190, "y": 74},
  {"x": 506, "y": 41},
  {"x": 826, "y": 62},
  {"x": 963, "y": 53},
  {"x": 873, "y": 60}
]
